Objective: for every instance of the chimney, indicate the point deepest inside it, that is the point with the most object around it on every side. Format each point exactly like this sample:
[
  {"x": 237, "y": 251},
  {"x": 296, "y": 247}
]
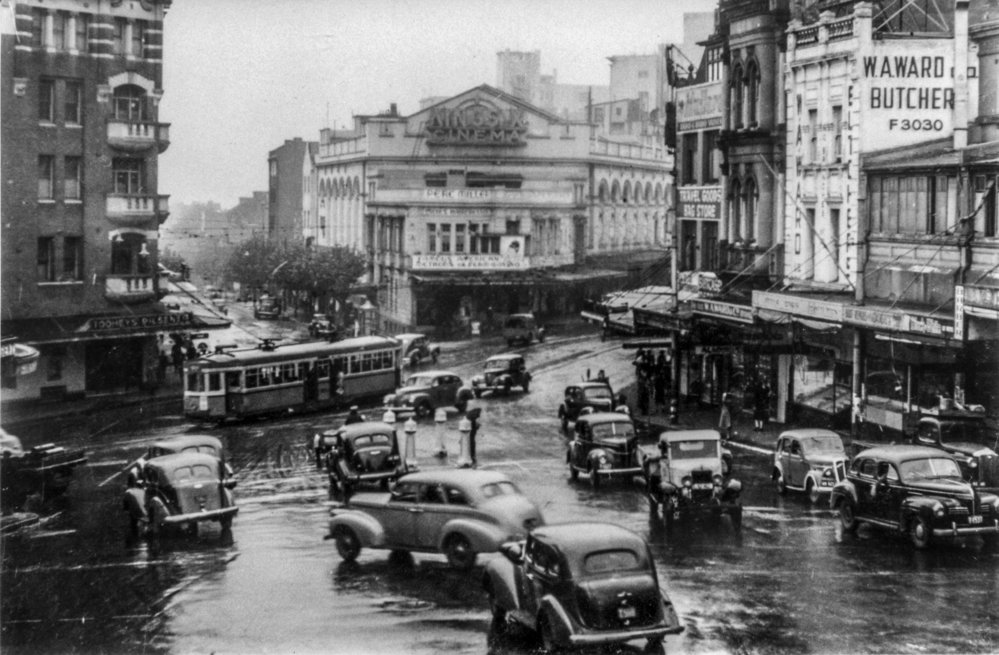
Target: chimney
[
  {"x": 393, "y": 110},
  {"x": 960, "y": 74}
]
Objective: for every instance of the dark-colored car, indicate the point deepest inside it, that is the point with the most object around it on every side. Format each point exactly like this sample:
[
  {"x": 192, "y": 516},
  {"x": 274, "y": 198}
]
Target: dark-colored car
[
  {"x": 186, "y": 443},
  {"x": 43, "y": 471},
  {"x": 267, "y": 307},
  {"x": 457, "y": 512},
  {"x": 604, "y": 445},
  {"x": 579, "y": 585},
  {"x": 970, "y": 439},
  {"x": 592, "y": 395},
  {"x": 321, "y": 327},
  {"x": 362, "y": 452},
  {"x": 916, "y": 491},
  {"x": 522, "y": 328},
  {"x": 423, "y": 392},
  {"x": 502, "y": 373},
  {"x": 416, "y": 349},
  {"x": 812, "y": 460},
  {"x": 688, "y": 478},
  {"x": 179, "y": 490}
]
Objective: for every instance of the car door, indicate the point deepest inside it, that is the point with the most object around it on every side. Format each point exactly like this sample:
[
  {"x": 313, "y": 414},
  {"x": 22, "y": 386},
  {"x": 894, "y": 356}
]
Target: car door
[
  {"x": 865, "y": 484},
  {"x": 582, "y": 444},
  {"x": 797, "y": 466},
  {"x": 887, "y": 494},
  {"x": 399, "y": 516},
  {"x": 431, "y": 516},
  {"x": 780, "y": 456}
]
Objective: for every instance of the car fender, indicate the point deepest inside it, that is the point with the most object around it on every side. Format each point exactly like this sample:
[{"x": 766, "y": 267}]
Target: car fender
[
  {"x": 843, "y": 490},
  {"x": 135, "y": 502},
  {"x": 779, "y": 469},
  {"x": 914, "y": 505},
  {"x": 812, "y": 475},
  {"x": 552, "y": 610},
  {"x": 418, "y": 398},
  {"x": 368, "y": 530},
  {"x": 485, "y": 538},
  {"x": 501, "y": 578},
  {"x": 595, "y": 455}
]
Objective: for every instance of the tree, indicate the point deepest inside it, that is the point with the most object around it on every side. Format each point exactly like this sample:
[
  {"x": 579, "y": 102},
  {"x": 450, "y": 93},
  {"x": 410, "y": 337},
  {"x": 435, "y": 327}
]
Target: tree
[
  {"x": 253, "y": 262},
  {"x": 319, "y": 272}
]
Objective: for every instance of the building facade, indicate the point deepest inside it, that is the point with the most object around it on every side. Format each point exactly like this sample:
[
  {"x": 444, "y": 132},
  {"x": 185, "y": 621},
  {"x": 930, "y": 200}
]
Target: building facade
[
  {"x": 81, "y": 205},
  {"x": 288, "y": 168},
  {"x": 484, "y": 205}
]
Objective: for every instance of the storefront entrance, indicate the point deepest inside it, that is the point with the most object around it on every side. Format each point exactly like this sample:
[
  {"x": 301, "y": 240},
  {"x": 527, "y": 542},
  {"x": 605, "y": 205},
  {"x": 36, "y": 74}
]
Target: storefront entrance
[{"x": 114, "y": 366}]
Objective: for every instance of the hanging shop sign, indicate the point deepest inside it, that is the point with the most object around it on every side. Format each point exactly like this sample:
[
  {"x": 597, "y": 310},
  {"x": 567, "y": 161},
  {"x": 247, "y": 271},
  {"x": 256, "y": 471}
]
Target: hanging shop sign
[
  {"x": 476, "y": 122},
  {"x": 874, "y": 318},
  {"x": 699, "y": 202},
  {"x": 820, "y": 310},
  {"x": 699, "y": 107},
  {"x": 984, "y": 297},
  {"x": 145, "y": 322},
  {"x": 492, "y": 262},
  {"x": 727, "y": 310}
]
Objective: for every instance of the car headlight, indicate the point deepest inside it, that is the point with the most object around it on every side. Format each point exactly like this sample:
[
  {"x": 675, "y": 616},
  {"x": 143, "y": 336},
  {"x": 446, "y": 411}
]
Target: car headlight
[
  {"x": 602, "y": 462},
  {"x": 717, "y": 480},
  {"x": 827, "y": 473},
  {"x": 972, "y": 462},
  {"x": 939, "y": 509},
  {"x": 687, "y": 482}
]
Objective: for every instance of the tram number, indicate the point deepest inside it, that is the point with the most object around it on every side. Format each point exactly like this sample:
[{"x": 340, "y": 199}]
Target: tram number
[{"x": 915, "y": 125}]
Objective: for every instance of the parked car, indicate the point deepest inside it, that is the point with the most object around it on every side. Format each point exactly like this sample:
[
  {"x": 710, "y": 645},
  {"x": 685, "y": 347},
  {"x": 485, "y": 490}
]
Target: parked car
[
  {"x": 457, "y": 512},
  {"x": 812, "y": 460},
  {"x": 179, "y": 490},
  {"x": 687, "y": 478},
  {"x": 970, "y": 438},
  {"x": 44, "y": 471},
  {"x": 186, "y": 443},
  {"x": 604, "y": 445},
  {"x": 363, "y": 452},
  {"x": 591, "y": 395},
  {"x": 522, "y": 328},
  {"x": 267, "y": 307},
  {"x": 579, "y": 585},
  {"x": 917, "y": 491},
  {"x": 502, "y": 373},
  {"x": 416, "y": 349},
  {"x": 424, "y": 392},
  {"x": 321, "y": 327}
]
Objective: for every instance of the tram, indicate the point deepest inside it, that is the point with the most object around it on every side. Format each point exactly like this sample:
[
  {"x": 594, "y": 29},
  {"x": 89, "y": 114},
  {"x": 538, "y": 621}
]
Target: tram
[{"x": 235, "y": 384}]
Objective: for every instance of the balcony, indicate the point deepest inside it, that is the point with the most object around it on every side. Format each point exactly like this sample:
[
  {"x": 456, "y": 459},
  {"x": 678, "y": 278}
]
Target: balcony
[
  {"x": 138, "y": 136},
  {"x": 130, "y": 289},
  {"x": 137, "y": 210}
]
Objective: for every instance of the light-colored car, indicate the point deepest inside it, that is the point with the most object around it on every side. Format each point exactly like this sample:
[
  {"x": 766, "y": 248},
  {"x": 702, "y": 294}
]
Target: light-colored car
[
  {"x": 421, "y": 393},
  {"x": 812, "y": 460},
  {"x": 502, "y": 373},
  {"x": 457, "y": 512},
  {"x": 416, "y": 348},
  {"x": 522, "y": 328},
  {"x": 579, "y": 585}
]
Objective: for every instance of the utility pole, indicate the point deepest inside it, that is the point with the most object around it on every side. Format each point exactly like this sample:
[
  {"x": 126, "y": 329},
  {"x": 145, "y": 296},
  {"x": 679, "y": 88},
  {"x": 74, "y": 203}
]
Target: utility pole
[{"x": 671, "y": 138}]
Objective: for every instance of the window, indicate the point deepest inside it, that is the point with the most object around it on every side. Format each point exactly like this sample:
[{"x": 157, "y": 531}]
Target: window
[
  {"x": 138, "y": 38},
  {"x": 59, "y": 20},
  {"x": 751, "y": 195},
  {"x": 128, "y": 103},
  {"x": 431, "y": 237},
  {"x": 46, "y": 101},
  {"x": 127, "y": 175},
  {"x": 38, "y": 27},
  {"x": 711, "y": 165},
  {"x": 73, "y": 101},
  {"x": 813, "y": 136},
  {"x": 689, "y": 157},
  {"x": 752, "y": 93},
  {"x": 72, "y": 258},
  {"x": 735, "y": 210},
  {"x": 46, "y": 177},
  {"x": 118, "y": 36},
  {"x": 459, "y": 238},
  {"x": 46, "y": 259},
  {"x": 837, "y": 117},
  {"x": 735, "y": 97},
  {"x": 82, "y": 27},
  {"x": 445, "y": 237},
  {"x": 72, "y": 174}
]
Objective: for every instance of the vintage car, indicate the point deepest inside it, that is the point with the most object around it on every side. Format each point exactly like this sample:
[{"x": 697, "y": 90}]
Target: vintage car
[
  {"x": 970, "y": 438},
  {"x": 416, "y": 348},
  {"x": 321, "y": 327},
  {"x": 604, "y": 445},
  {"x": 43, "y": 471},
  {"x": 592, "y": 394},
  {"x": 580, "y": 585},
  {"x": 688, "y": 479},
  {"x": 362, "y": 452},
  {"x": 422, "y": 393},
  {"x": 186, "y": 443},
  {"x": 502, "y": 373},
  {"x": 917, "y": 491},
  {"x": 267, "y": 307},
  {"x": 179, "y": 490},
  {"x": 522, "y": 328},
  {"x": 812, "y": 460},
  {"x": 457, "y": 512}
]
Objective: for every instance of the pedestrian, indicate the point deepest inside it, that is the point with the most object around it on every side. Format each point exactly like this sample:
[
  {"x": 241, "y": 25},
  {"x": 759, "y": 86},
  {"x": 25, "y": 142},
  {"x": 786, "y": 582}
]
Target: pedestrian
[
  {"x": 473, "y": 419},
  {"x": 353, "y": 416},
  {"x": 602, "y": 377},
  {"x": 605, "y": 328},
  {"x": 643, "y": 394},
  {"x": 761, "y": 405},
  {"x": 725, "y": 420},
  {"x": 162, "y": 364},
  {"x": 659, "y": 386},
  {"x": 178, "y": 358}
]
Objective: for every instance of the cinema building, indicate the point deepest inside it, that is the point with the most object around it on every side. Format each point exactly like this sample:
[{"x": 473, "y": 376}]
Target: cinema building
[{"x": 483, "y": 205}]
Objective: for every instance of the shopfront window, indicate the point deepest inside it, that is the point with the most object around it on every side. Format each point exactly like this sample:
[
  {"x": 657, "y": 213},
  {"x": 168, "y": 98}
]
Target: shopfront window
[{"x": 822, "y": 383}]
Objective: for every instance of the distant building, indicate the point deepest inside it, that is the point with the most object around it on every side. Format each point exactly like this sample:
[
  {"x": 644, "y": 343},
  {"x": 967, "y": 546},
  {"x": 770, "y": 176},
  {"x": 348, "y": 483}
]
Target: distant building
[
  {"x": 519, "y": 74},
  {"x": 81, "y": 204},
  {"x": 288, "y": 167}
]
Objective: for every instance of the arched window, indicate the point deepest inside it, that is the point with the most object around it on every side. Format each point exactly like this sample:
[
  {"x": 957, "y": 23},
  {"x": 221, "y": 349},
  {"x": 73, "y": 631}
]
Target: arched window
[
  {"x": 602, "y": 193},
  {"x": 752, "y": 93},
  {"x": 735, "y": 96},
  {"x": 751, "y": 196},
  {"x": 128, "y": 103},
  {"x": 615, "y": 192},
  {"x": 626, "y": 194},
  {"x": 735, "y": 210}
]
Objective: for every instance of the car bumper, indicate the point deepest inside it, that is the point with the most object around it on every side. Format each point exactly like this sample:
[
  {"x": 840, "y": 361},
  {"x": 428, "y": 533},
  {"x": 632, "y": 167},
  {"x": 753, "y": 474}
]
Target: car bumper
[
  {"x": 372, "y": 477},
  {"x": 961, "y": 531},
  {"x": 619, "y": 636},
  {"x": 210, "y": 515},
  {"x": 633, "y": 470}
]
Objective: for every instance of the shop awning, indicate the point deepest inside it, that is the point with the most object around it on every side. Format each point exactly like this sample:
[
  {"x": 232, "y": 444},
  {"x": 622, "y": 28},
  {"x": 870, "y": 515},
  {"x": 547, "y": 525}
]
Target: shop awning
[
  {"x": 18, "y": 358},
  {"x": 67, "y": 329}
]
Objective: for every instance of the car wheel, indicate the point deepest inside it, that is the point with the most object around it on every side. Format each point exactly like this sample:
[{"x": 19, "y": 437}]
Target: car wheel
[
  {"x": 736, "y": 515},
  {"x": 669, "y": 508},
  {"x": 225, "y": 522},
  {"x": 813, "y": 492},
  {"x": 848, "y": 517},
  {"x": 991, "y": 542},
  {"x": 414, "y": 361},
  {"x": 507, "y": 385},
  {"x": 384, "y": 484},
  {"x": 549, "y": 643},
  {"x": 654, "y": 645},
  {"x": 573, "y": 473},
  {"x": 509, "y": 343},
  {"x": 478, "y": 393},
  {"x": 347, "y": 543},
  {"x": 424, "y": 410},
  {"x": 920, "y": 532},
  {"x": 157, "y": 521},
  {"x": 459, "y": 551},
  {"x": 779, "y": 483},
  {"x": 527, "y": 386}
]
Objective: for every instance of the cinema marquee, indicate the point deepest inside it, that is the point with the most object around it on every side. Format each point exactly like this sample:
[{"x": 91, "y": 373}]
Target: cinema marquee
[{"x": 477, "y": 123}]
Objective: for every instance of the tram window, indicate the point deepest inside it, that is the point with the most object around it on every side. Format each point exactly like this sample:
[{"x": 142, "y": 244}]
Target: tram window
[
  {"x": 232, "y": 379},
  {"x": 387, "y": 359},
  {"x": 288, "y": 373},
  {"x": 303, "y": 370},
  {"x": 323, "y": 366},
  {"x": 252, "y": 378},
  {"x": 194, "y": 382},
  {"x": 214, "y": 381},
  {"x": 366, "y": 362},
  {"x": 340, "y": 364},
  {"x": 355, "y": 364}
]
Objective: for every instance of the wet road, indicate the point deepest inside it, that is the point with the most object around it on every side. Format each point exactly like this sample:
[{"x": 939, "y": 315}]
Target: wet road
[{"x": 790, "y": 583}]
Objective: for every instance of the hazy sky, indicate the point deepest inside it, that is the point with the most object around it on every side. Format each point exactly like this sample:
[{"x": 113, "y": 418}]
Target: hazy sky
[{"x": 241, "y": 76}]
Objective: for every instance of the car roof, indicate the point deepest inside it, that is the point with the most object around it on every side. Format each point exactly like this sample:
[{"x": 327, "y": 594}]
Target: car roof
[
  {"x": 468, "y": 477},
  {"x": 807, "y": 433},
  {"x": 362, "y": 428},
  {"x": 433, "y": 373},
  {"x": 902, "y": 453},
  {"x": 188, "y": 440},
  {"x": 528, "y": 315},
  {"x": 506, "y": 356},
  {"x": 409, "y": 336},
  {"x": 589, "y": 384},
  {"x": 578, "y": 539},
  {"x": 176, "y": 460},
  {"x": 671, "y": 436},
  {"x": 604, "y": 417}
]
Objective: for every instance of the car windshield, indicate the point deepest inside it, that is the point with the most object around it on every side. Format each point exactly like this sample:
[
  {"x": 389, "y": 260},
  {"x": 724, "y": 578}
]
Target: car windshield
[
  {"x": 968, "y": 432},
  {"x": 615, "y": 430},
  {"x": 693, "y": 449},
  {"x": 830, "y": 445},
  {"x": 930, "y": 468},
  {"x": 419, "y": 381},
  {"x": 504, "y": 488},
  {"x": 367, "y": 440},
  {"x": 610, "y": 561},
  {"x": 497, "y": 364},
  {"x": 596, "y": 393},
  {"x": 194, "y": 472}
]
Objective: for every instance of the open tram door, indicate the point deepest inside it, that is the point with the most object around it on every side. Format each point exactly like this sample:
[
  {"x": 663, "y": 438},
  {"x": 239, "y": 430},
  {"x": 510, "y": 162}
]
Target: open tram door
[{"x": 312, "y": 388}]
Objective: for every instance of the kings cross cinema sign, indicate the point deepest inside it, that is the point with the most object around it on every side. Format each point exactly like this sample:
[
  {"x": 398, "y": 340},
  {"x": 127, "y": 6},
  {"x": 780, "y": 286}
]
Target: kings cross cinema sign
[{"x": 476, "y": 123}]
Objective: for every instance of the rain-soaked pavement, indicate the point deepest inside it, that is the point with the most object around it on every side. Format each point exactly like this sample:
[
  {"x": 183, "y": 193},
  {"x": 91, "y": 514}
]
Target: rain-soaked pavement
[{"x": 790, "y": 583}]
